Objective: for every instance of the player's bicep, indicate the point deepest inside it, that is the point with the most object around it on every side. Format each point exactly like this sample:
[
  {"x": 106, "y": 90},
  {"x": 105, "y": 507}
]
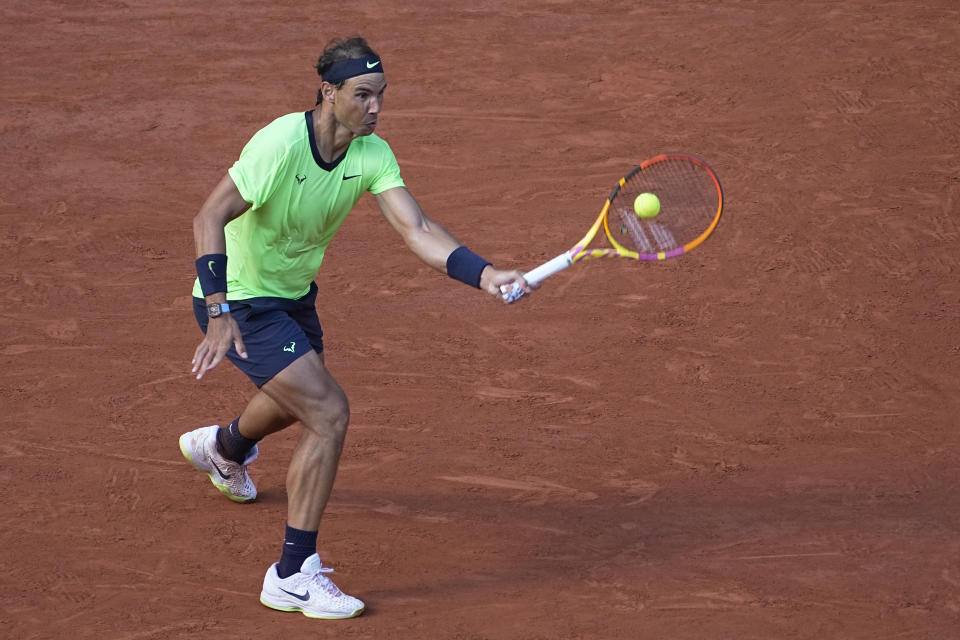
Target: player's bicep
[
  {"x": 223, "y": 205},
  {"x": 225, "y": 202}
]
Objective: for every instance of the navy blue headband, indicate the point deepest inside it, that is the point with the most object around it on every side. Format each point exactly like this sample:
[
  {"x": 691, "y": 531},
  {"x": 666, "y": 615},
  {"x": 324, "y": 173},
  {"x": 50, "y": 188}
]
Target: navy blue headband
[{"x": 343, "y": 69}]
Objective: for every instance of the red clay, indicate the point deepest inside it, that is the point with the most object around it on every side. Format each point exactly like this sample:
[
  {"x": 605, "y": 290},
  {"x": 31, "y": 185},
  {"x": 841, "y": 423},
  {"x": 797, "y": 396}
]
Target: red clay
[{"x": 757, "y": 440}]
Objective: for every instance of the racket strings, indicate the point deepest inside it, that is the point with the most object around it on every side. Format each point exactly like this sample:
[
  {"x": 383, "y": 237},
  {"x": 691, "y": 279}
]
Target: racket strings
[{"x": 689, "y": 202}]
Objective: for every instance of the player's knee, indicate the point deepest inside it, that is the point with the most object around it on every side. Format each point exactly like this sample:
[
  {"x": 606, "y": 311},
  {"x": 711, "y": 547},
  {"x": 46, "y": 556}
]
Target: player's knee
[
  {"x": 330, "y": 417},
  {"x": 339, "y": 412}
]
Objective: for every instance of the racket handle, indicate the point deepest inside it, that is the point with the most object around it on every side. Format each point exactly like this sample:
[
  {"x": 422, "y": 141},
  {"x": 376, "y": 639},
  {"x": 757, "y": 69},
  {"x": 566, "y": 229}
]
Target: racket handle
[{"x": 512, "y": 293}]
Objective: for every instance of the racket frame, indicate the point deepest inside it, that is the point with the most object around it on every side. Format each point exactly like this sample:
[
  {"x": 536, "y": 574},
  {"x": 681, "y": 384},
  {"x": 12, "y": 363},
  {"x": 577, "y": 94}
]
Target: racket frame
[{"x": 580, "y": 252}]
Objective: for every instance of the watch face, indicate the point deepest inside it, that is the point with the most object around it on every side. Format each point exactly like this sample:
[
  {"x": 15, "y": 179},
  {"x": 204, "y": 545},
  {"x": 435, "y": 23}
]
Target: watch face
[{"x": 213, "y": 309}]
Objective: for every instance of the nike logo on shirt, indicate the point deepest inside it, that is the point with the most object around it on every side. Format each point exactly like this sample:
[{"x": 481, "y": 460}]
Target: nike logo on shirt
[{"x": 351, "y": 177}]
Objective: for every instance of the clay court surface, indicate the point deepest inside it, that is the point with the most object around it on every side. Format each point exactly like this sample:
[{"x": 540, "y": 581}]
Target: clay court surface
[{"x": 757, "y": 440}]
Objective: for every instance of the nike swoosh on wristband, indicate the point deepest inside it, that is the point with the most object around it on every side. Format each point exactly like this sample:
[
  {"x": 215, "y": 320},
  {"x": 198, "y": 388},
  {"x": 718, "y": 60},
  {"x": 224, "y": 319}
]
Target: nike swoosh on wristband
[
  {"x": 222, "y": 474},
  {"x": 372, "y": 65},
  {"x": 210, "y": 264},
  {"x": 304, "y": 597}
]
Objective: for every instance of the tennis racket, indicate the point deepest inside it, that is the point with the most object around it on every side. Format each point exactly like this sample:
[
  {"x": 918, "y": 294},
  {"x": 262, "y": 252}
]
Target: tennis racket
[{"x": 691, "y": 201}]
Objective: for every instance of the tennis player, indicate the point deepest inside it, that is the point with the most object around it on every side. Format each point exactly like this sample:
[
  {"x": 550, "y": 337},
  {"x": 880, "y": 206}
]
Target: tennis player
[{"x": 273, "y": 215}]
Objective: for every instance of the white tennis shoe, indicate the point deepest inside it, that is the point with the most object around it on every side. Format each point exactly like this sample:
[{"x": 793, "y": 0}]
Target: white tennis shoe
[
  {"x": 310, "y": 592},
  {"x": 200, "y": 448}
]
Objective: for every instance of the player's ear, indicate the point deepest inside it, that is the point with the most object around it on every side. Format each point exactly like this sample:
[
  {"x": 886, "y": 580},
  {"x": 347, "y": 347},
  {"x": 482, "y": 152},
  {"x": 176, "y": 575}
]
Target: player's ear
[{"x": 327, "y": 91}]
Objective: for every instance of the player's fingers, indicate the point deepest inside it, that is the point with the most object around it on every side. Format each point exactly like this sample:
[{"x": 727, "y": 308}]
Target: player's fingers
[
  {"x": 521, "y": 282},
  {"x": 512, "y": 292},
  {"x": 210, "y": 355},
  {"x": 238, "y": 345},
  {"x": 203, "y": 365},
  {"x": 505, "y": 280},
  {"x": 211, "y": 360},
  {"x": 198, "y": 355}
]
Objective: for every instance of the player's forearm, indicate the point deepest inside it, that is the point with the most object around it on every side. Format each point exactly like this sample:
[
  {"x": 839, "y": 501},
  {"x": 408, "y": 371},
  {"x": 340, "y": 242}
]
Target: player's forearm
[
  {"x": 208, "y": 235},
  {"x": 223, "y": 205},
  {"x": 432, "y": 243},
  {"x": 210, "y": 239}
]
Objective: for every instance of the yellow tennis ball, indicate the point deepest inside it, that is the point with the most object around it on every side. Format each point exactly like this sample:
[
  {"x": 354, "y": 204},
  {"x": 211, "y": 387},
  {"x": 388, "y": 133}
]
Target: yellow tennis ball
[{"x": 646, "y": 205}]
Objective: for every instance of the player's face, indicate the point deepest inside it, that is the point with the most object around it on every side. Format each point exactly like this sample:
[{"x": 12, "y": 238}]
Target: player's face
[{"x": 358, "y": 102}]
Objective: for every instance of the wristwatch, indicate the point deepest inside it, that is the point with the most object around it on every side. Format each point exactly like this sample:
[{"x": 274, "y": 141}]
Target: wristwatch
[{"x": 217, "y": 309}]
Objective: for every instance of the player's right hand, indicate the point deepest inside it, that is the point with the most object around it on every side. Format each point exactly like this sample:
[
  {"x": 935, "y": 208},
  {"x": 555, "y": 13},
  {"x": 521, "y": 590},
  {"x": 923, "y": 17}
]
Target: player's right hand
[
  {"x": 222, "y": 333},
  {"x": 498, "y": 282}
]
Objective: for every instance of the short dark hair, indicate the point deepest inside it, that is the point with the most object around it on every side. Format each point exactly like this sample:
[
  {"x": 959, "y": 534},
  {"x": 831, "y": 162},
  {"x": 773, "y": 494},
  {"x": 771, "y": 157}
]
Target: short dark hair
[{"x": 343, "y": 49}]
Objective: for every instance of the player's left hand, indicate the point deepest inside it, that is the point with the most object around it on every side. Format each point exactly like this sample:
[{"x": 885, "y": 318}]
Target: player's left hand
[{"x": 495, "y": 281}]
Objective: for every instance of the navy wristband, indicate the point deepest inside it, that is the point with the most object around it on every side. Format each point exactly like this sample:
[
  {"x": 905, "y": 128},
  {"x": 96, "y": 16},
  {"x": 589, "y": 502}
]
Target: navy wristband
[
  {"x": 466, "y": 266},
  {"x": 212, "y": 272}
]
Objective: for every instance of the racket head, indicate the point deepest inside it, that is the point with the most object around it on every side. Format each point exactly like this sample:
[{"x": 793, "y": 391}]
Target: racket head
[{"x": 691, "y": 203}]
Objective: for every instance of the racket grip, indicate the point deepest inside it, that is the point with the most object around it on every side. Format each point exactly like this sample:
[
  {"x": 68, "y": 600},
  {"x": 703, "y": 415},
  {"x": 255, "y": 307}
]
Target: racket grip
[{"x": 512, "y": 293}]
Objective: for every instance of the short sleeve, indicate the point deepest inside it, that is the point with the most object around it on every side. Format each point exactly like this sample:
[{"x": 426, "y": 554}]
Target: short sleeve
[
  {"x": 260, "y": 167},
  {"x": 388, "y": 174}
]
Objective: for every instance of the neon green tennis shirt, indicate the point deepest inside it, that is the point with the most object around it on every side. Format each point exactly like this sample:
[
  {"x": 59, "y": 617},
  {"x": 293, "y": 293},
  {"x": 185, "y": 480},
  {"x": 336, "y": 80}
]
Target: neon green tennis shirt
[{"x": 298, "y": 202}]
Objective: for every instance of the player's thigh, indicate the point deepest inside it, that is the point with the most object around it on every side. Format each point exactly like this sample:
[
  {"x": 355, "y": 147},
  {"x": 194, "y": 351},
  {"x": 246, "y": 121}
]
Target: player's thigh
[{"x": 307, "y": 391}]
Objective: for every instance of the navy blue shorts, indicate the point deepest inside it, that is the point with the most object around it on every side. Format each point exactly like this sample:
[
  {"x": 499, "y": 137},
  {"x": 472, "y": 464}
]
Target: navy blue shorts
[{"x": 275, "y": 331}]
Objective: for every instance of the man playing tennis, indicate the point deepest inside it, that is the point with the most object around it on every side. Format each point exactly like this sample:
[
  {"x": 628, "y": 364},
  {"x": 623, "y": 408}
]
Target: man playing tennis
[{"x": 274, "y": 214}]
